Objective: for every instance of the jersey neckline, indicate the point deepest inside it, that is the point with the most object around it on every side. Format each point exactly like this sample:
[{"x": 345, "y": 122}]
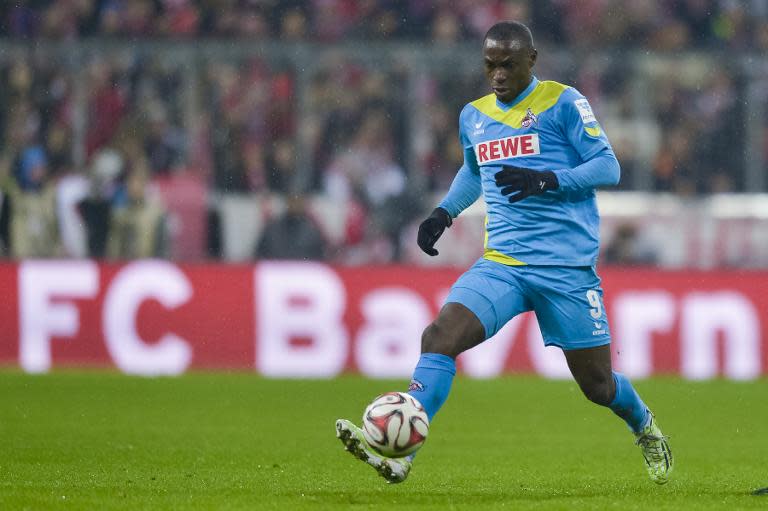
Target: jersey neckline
[{"x": 528, "y": 90}]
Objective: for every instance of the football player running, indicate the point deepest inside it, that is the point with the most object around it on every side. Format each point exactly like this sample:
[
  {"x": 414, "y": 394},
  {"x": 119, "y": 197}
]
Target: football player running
[{"x": 535, "y": 152}]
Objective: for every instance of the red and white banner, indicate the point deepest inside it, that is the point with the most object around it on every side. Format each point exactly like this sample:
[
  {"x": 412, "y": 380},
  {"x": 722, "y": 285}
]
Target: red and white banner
[{"x": 290, "y": 319}]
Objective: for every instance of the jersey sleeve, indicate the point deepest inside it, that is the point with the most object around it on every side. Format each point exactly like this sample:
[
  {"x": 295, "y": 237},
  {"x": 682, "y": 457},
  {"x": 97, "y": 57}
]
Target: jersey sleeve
[
  {"x": 580, "y": 126},
  {"x": 470, "y": 160},
  {"x": 466, "y": 187},
  {"x": 584, "y": 133}
]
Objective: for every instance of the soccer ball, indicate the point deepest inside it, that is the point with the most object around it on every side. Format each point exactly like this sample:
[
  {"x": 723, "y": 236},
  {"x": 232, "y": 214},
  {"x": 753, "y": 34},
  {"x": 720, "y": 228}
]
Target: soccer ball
[{"x": 395, "y": 424}]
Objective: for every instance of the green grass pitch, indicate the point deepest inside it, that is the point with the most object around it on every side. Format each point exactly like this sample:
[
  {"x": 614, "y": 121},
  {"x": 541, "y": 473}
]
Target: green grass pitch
[{"x": 99, "y": 441}]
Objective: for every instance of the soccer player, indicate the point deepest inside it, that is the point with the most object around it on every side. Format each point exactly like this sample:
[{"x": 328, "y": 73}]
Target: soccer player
[{"x": 535, "y": 151}]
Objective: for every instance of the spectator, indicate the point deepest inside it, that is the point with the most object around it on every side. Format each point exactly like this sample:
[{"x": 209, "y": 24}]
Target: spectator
[
  {"x": 106, "y": 190},
  {"x": 179, "y": 18},
  {"x": 31, "y": 172},
  {"x": 366, "y": 170},
  {"x": 281, "y": 165},
  {"x": 446, "y": 28},
  {"x": 293, "y": 25},
  {"x": 136, "y": 226},
  {"x": 252, "y": 22},
  {"x": 293, "y": 235},
  {"x": 626, "y": 248},
  {"x": 107, "y": 105},
  {"x": 33, "y": 225},
  {"x": 163, "y": 143}
]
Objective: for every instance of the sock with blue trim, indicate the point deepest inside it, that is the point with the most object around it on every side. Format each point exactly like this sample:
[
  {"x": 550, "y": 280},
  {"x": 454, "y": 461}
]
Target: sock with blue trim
[
  {"x": 628, "y": 405},
  {"x": 432, "y": 381}
]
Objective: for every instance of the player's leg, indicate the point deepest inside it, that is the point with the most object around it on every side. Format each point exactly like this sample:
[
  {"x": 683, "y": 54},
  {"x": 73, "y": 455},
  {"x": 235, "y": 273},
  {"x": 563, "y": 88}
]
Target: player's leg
[
  {"x": 480, "y": 302},
  {"x": 569, "y": 307},
  {"x": 455, "y": 330},
  {"x": 591, "y": 368}
]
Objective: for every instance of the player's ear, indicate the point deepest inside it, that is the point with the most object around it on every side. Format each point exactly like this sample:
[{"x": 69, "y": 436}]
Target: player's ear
[{"x": 532, "y": 56}]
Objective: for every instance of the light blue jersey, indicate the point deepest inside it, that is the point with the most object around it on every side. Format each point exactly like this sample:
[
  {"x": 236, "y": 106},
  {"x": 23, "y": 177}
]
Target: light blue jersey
[{"x": 549, "y": 126}]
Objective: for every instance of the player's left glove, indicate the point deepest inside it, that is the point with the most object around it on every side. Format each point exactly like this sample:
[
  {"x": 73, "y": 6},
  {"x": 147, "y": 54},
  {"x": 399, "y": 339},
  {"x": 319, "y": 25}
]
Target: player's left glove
[{"x": 526, "y": 182}]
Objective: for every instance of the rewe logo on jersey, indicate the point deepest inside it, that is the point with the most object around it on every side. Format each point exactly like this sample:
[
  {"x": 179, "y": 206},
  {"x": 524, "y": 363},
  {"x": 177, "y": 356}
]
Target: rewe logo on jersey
[{"x": 510, "y": 147}]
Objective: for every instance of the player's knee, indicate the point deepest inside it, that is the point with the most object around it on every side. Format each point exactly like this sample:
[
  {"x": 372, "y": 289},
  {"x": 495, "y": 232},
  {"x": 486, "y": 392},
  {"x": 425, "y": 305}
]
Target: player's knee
[
  {"x": 599, "y": 392},
  {"x": 456, "y": 329},
  {"x": 436, "y": 339},
  {"x": 431, "y": 340}
]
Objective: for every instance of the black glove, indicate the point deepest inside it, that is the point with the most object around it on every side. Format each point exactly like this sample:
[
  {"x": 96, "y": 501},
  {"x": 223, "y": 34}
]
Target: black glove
[
  {"x": 431, "y": 229},
  {"x": 526, "y": 182}
]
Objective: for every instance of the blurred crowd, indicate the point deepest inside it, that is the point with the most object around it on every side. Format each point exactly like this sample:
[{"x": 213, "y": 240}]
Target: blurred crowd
[
  {"x": 92, "y": 145},
  {"x": 662, "y": 25}
]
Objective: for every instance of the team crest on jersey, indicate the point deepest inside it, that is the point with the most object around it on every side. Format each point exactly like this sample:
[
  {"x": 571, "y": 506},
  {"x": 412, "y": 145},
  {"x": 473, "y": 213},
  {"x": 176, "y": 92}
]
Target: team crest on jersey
[
  {"x": 530, "y": 119},
  {"x": 416, "y": 385}
]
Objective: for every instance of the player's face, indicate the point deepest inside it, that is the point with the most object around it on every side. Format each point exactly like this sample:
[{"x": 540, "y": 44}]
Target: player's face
[{"x": 508, "y": 67}]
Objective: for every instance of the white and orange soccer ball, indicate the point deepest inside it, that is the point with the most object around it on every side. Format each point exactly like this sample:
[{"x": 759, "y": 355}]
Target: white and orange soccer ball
[{"x": 395, "y": 424}]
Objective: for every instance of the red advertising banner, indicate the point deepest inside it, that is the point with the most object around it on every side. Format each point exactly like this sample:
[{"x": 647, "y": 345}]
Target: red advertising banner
[{"x": 293, "y": 319}]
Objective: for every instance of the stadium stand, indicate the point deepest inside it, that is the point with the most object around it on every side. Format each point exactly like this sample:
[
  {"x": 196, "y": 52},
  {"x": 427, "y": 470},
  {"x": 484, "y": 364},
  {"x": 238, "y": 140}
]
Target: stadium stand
[{"x": 186, "y": 125}]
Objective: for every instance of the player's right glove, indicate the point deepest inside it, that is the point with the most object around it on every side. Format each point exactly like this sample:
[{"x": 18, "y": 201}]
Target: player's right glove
[{"x": 431, "y": 229}]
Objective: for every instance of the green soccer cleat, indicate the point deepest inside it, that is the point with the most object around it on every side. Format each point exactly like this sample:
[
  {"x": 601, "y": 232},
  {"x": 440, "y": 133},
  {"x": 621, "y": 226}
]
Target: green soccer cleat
[
  {"x": 394, "y": 470},
  {"x": 656, "y": 451}
]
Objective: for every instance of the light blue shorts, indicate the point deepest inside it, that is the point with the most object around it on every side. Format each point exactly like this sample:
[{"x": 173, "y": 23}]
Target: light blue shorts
[{"x": 568, "y": 301}]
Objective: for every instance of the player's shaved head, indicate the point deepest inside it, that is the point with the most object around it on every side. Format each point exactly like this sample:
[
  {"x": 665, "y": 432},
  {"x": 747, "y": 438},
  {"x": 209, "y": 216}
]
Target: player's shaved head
[{"x": 515, "y": 32}]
